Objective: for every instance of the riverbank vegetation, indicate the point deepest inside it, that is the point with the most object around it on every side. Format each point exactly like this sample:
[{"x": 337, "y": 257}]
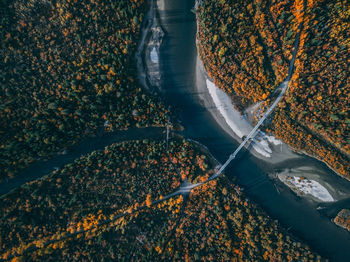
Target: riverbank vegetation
[
  {"x": 72, "y": 214},
  {"x": 343, "y": 219},
  {"x": 246, "y": 48},
  {"x": 67, "y": 71}
]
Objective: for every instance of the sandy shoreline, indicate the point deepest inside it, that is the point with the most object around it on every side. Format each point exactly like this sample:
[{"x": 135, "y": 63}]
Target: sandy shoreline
[
  {"x": 279, "y": 152},
  {"x": 147, "y": 53},
  {"x": 336, "y": 189}
]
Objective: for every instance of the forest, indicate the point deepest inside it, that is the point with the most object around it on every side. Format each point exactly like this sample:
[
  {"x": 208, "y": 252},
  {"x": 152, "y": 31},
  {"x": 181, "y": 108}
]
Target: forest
[
  {"x": 246, "y": 48},
  {"x": 67, "y": 71},
  {"x": 121, "y": 177},
  {"x": 63, "y": 216}
]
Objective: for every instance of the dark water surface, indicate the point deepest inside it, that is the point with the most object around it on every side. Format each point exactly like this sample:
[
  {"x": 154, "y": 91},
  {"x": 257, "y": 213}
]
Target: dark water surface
[{"x": 178, "y": 58}]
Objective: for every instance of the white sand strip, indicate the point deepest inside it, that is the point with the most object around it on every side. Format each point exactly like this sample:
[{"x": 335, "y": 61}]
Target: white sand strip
[{"x": 238, "y": 123}]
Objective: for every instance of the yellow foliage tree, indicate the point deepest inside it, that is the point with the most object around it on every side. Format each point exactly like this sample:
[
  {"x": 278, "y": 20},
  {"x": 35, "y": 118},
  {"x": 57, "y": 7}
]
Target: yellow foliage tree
[{"x": 148, "y": 200}]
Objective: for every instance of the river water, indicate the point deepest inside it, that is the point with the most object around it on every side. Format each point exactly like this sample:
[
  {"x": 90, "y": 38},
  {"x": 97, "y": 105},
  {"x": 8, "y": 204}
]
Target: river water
[{"x": 178, "y": 56}]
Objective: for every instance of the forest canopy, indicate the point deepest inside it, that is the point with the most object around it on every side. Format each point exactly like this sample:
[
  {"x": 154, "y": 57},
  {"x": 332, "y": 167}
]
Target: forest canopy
[
  {"x": 246, "y": 48},
  {"x": 63, "y": 216},
  {"x": 66, "y": 71}
]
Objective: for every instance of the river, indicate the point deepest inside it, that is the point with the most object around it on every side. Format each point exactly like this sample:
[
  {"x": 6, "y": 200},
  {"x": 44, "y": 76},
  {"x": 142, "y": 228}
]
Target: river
[{"x": 178, "y": 57}]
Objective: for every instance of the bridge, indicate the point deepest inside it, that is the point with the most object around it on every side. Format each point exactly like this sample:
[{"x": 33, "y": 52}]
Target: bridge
[
  {"x": 187, "y": 187},
  {"x": 283, "y": 87}
]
